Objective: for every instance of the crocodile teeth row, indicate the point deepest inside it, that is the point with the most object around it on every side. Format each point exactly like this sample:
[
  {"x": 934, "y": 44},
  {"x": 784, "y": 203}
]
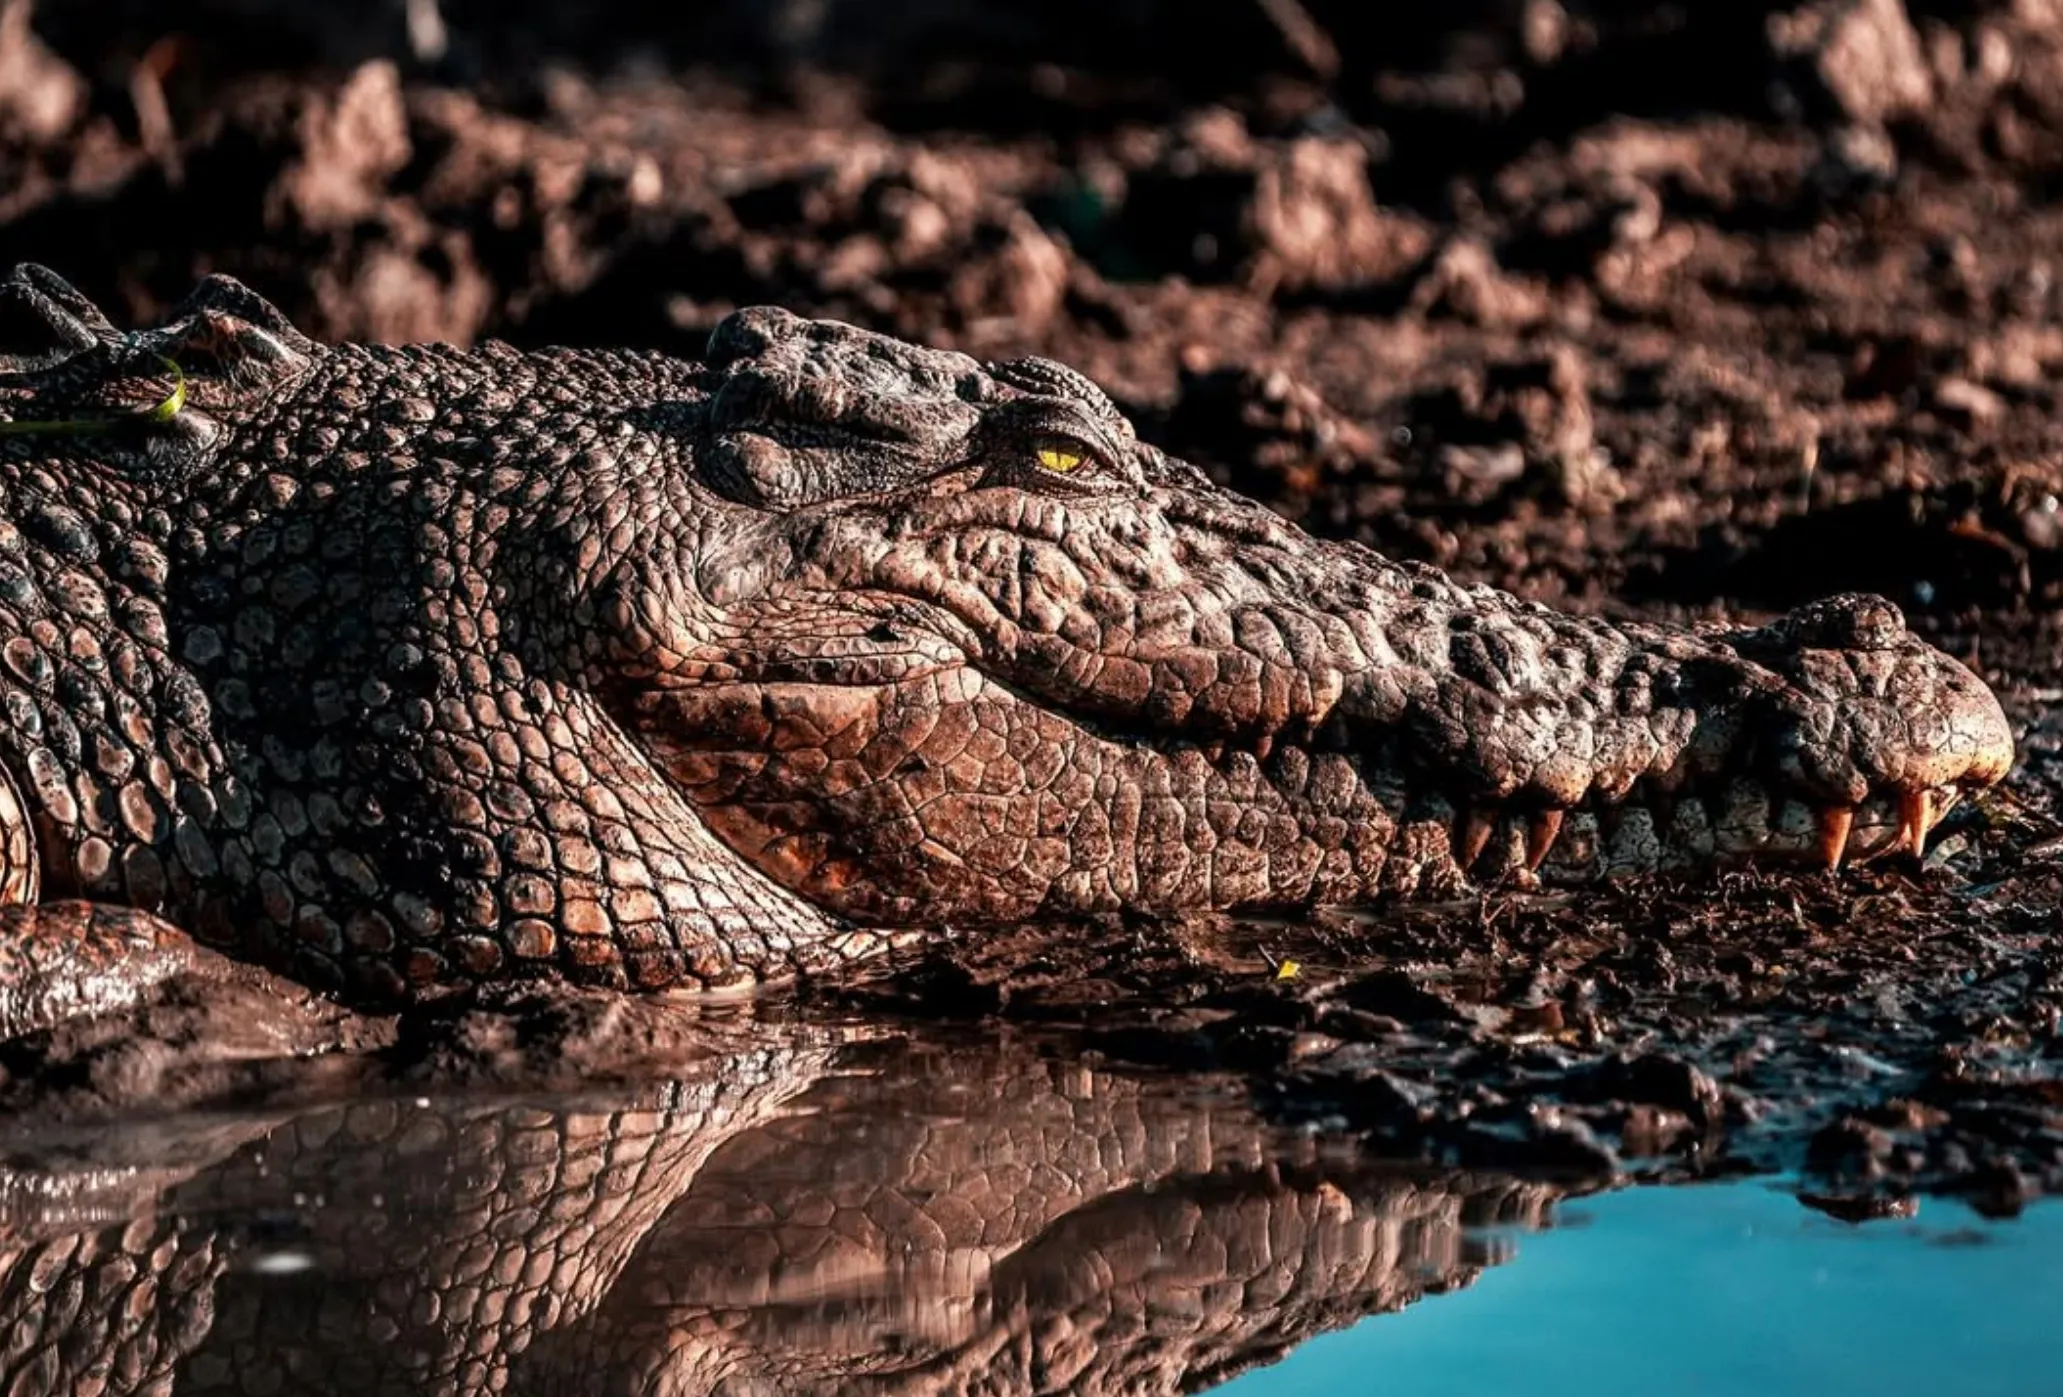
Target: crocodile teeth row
[
  {"x": 1917, "y": 815},
  {"x": 1918, "y": 811}
]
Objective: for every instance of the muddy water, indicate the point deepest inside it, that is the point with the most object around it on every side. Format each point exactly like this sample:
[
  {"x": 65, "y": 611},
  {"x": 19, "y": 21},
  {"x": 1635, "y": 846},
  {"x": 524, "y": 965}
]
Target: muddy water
[{"x": 828, "y": 1210}]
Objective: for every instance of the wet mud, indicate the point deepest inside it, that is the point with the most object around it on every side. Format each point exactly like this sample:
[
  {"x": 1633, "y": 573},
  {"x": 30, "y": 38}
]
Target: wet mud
[{"x": 1699, "y": 310}]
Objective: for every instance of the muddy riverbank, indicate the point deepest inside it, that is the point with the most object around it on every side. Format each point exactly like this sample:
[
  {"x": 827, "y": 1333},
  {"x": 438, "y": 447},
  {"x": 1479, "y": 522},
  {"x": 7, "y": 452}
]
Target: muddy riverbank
[{"x": 1689, "y": 312}]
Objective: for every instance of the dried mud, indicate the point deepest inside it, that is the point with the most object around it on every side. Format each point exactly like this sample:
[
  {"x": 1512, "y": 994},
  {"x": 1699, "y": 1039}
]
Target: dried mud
[{"x": 1691, "y": 310}]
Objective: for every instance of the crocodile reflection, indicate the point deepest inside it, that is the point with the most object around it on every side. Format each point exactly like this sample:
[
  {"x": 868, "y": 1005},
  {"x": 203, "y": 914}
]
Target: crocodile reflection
[{"x": 875, "y": 1218}]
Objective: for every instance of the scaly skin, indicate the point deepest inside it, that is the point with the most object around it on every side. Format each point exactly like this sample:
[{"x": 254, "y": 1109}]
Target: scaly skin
[
  {"x": 791, "y": 1220},
  {"x": 399, "y": 670}
]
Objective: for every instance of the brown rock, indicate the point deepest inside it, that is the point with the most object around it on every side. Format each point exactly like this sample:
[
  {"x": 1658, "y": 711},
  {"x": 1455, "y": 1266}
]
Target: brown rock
[
  {"x": 1965, "y": 403},
  {"x": 41, "y": 98},
  {"x": 1022, "y": 279},
  {"x": 1296, "y": 214},
  {"x": 1864, "y": 56},
  {"x": 351, "y": 143},
  {"x": 1313, "y": 219}
]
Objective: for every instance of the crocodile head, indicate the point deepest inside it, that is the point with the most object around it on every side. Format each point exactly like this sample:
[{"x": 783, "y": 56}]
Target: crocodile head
[{"x": 949, "y": 642}]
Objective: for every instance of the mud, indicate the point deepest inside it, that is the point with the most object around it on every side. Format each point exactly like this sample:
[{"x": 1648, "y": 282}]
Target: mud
[{"x": 1691, "y": 310}]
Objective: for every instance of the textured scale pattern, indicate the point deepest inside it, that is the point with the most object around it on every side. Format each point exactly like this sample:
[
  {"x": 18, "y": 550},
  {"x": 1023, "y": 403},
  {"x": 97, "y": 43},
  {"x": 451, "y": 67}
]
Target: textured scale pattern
[
  {"x": 400, "y": 670},
  {"x": 791, "y": 1220}
]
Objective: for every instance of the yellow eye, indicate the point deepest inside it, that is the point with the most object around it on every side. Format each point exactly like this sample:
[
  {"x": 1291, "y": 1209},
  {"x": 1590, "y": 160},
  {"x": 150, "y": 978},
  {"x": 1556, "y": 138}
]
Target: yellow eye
[{"x": 1055, "y": 458}]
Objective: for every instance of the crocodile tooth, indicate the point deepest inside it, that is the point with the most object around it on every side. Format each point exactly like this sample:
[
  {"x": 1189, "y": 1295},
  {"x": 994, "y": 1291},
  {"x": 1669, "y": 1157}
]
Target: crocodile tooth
[
  {"x": 1545, "y": 828},
  {"x": 1915, "y": 819},
  {"x": 1834, "y": 824},
  {"x": 1264, "y": 746},
  {"x": 1471, "y": 833}
]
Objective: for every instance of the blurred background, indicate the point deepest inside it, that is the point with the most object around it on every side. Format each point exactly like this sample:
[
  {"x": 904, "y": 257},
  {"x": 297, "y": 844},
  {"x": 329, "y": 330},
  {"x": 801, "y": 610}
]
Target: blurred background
[{"x": 1664, "y": 307}]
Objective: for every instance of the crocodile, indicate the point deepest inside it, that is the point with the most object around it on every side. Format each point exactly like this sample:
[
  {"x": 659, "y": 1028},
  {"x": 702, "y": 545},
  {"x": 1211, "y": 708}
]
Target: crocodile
[{"x": 404, "y": 670}]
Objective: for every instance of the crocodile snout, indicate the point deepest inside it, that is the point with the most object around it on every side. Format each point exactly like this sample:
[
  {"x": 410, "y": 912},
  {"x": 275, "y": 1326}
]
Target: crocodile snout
[
  {"x": 1832, "y": 734},
  {"x": 1878, "y": 729}
]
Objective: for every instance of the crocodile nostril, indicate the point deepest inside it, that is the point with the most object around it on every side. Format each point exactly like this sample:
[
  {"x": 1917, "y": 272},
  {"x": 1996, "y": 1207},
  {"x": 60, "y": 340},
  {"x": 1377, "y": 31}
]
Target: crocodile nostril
[{"x": 1852, "y": 621}]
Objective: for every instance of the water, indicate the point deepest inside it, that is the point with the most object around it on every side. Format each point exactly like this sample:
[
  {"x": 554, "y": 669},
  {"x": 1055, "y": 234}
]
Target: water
[
  {"x": 1722, "y": 1290},
  {"x": 813, "y": 1214}
]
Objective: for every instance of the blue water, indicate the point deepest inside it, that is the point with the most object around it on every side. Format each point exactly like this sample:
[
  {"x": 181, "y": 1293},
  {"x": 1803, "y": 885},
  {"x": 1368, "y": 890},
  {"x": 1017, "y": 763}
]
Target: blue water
[{"x": 1722, "y": 1290}]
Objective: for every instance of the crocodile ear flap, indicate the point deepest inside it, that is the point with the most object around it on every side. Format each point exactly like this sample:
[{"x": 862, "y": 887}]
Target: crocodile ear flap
[{"x": 44, "y": 319}]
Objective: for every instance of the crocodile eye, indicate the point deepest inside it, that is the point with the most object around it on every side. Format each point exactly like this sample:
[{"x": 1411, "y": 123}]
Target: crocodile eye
[{"x": 1044, "y": 445}]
